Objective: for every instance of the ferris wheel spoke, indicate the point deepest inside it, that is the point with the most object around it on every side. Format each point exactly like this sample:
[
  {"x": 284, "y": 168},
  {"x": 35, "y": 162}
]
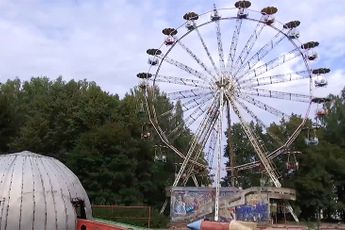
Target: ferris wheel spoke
[
  {"x": 212, "y": 122},
  {"x": 258, "y": 146},
  {"x": 194, "y": 108},
  {"x": 166, "y": 113},
  {"x": 278, "y": 95},
  {"x": 176, "y": 132},
  {"x": 195, "y": 115},
  {"x": 234, "y": 42},
  {"x": 211, "y": 115},
  {"x": 258, "y": 56},
  {"x": 271, "y": 156},
  {"x": 275, "y": 79},
  {"x": 220, "y": 46},
  {"x": 249, "y": 45},
  {"x": 190, "y": 52},
  {"x": 181, "y": 94},
  {"x": 256, "y": 163},
  {"x": 196, "y": 149},
  {"x": 211, "y": 148},
  {"x": 181, "y": 81},
  {"x": 209, "y": 154},
  {"x": 248, "y": 165},
  {"x": 186, "y": 68},
  {"x": 190, "y": 119},
  {"x": 245, "y": 166},
  {"x": 260, "y": 122},
  {"x": 208, "y": 123},
  {"x": 206, "y": 50},
  {"x": 264, "y": 106},
  {"x": 195, "y": 102},
  {"x": 264, "y": 68}
]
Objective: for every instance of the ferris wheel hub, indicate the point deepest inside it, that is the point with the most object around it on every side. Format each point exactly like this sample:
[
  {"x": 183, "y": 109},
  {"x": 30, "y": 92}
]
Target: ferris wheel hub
[{"x": 227, "y": 84}]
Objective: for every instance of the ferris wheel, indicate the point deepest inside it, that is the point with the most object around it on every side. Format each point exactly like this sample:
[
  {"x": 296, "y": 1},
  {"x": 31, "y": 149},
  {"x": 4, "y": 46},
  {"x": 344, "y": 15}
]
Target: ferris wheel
[{"x": 225, "y": 66}]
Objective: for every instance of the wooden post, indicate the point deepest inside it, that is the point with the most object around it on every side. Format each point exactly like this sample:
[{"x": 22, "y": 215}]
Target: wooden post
[
  {"x": 284, "y": 213},
  {"x": 149, "y": 219}
]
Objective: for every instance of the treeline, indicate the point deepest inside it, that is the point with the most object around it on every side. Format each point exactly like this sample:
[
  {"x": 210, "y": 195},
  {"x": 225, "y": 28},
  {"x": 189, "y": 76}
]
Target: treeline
[
  {"x": 100, "y": 138},
  {"x": 96, "y": 134}
]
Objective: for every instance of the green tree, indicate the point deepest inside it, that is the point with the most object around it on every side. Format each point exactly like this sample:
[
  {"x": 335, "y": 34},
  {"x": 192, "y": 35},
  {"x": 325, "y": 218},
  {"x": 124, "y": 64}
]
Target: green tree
[
  {"x": 10, "y": 114},
  {"x": 56, "y": 113},
  {"x": 243, "y": 153}
]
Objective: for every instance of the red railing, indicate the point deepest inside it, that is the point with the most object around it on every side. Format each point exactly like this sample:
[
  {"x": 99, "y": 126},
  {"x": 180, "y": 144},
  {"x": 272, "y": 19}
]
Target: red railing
[
  {"x": 142, "y": 214},
  {"x": 324, "y": 226},
  {"x": 282, "y": 227},
  {"x": 94, "y": 225}
]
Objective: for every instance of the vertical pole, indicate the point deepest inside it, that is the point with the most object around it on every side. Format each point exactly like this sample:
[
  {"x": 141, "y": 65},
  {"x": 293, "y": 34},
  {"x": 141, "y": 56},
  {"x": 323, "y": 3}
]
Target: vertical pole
[
  {"x": 219, "y": 154},
  {"x": 230, "y": 148},
  {"x": 285, "y": 213},
  {"x": 149, "y": 220}
]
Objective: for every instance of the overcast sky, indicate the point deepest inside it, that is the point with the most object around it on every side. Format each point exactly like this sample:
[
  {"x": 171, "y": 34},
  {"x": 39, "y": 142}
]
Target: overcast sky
[{"x": 105, "y": 40}]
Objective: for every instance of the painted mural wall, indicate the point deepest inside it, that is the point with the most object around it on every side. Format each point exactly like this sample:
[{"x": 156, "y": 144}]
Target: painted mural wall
[
  {"x": 256, "y": 208},
  {"x": 191, "y": 203},
  {"x": 188, "y": 203}
]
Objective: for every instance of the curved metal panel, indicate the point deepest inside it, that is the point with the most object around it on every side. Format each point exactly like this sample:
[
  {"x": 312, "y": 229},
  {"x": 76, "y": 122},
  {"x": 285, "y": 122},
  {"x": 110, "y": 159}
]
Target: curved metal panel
[{"x": 36, "y": 193}]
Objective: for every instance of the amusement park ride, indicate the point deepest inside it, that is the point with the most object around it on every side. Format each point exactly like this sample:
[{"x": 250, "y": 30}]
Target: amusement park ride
[{"x": 232, "y": 65}]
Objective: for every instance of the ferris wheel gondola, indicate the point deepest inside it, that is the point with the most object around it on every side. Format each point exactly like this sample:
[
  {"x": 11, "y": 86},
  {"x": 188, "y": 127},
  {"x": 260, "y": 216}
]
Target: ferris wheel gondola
[
  {"x": 311, "y": 139},
  {"x": 217, "y": 78},
  {"x": 321, "y": 80},
  {"x": 292, "y": 164}
]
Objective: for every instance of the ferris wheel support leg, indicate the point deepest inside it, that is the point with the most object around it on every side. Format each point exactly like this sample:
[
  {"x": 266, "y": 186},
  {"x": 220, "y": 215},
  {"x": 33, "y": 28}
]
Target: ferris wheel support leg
[
  {"x": 163, "y": 206},
  {"x": 196, "y": 183},
  {"x": 190, "y": 169},
  {"x": 260, "y": 151},
  {"x": 265, "y": 160},
  {"x": 203, "y": 129},
  {"x": 289, "y": 207}
]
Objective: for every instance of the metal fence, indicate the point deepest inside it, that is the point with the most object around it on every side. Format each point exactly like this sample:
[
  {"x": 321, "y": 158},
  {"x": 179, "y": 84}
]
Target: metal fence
[{"x": 137, "y": 215}]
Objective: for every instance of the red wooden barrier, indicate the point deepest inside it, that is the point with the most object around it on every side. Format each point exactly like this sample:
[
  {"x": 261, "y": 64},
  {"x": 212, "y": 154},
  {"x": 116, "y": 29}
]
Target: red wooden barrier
[
  {"x": 94, "y": 225},
  {"x": 282, "y": 227},
  {"x": 332, "y": 226},
  {"x": 118, "y": 212}
]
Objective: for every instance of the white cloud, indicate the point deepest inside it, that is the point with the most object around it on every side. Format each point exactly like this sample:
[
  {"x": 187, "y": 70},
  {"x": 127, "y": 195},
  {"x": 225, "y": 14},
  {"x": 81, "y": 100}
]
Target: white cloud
[{"x": 105, "y": 41}]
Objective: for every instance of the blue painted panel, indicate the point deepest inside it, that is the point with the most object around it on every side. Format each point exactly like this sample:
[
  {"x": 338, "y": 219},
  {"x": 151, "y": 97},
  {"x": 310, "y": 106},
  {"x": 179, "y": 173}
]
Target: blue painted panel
[{"x": 256, "y": 213}]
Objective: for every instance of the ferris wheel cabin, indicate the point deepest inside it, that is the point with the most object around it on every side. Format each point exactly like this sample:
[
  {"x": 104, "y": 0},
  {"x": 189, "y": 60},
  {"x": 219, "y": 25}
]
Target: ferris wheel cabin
[{"x": 320, "y": 80}]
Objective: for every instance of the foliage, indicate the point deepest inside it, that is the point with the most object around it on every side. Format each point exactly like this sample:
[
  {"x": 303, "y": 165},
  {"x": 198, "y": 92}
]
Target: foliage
[
  {"x": 94, "y": 133},
  {"x": 244, "y": 153}
]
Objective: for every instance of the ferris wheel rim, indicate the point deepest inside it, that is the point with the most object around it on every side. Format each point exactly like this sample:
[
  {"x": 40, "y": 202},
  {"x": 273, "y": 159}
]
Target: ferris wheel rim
[{"x": 292, "y": 41}]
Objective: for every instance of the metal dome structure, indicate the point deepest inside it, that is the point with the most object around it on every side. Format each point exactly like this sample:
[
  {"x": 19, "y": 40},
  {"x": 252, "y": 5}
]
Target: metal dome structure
[{"x": 39, "y": 192}]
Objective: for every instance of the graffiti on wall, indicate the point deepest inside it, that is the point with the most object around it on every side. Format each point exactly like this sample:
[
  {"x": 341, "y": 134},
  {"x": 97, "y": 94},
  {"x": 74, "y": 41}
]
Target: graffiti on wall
[
  {"x": 190, "y": 202},
  {"x": 256, "y": 208},
  {"x": 251, "y": 204}
]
